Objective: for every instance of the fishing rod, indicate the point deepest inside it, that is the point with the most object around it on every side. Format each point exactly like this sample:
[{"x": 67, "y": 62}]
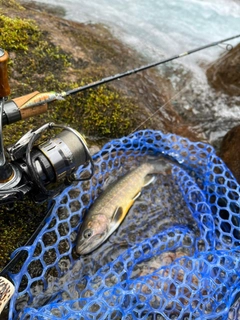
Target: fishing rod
[
  {"x": 145, "y": 67},
  {"x": 35, "y": 166},
  {"x": 36, "y": 99}
]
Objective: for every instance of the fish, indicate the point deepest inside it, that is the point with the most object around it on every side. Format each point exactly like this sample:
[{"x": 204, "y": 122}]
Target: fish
[{"x": 111, "y": 207}]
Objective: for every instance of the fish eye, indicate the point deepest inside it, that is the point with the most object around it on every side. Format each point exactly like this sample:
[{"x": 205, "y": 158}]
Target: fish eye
[{"x": 87, "y": 233}]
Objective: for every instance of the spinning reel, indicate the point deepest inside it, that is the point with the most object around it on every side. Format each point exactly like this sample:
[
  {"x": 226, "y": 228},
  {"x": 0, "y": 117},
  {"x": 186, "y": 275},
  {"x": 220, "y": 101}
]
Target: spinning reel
[{"x": 41, "y": 169}]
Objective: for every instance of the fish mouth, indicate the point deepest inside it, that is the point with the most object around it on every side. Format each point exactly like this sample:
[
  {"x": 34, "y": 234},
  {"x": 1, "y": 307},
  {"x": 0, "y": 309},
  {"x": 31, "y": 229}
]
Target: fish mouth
[
  {"x": 84, "y": 247},
  {"x": 81, "y": 248}
]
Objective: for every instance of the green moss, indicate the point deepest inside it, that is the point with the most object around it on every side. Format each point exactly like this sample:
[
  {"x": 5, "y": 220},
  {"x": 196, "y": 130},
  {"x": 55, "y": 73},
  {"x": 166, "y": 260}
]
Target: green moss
[
  {"x": 11, "y": 4},
  {"x": 108, "y": 114},
  {"x": 100, "y": 112},
  {"x": 17, "y": 34}
]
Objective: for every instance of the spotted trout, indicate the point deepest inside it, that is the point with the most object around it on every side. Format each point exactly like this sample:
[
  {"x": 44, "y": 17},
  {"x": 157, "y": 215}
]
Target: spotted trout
[{"x": 111, "y": 207}]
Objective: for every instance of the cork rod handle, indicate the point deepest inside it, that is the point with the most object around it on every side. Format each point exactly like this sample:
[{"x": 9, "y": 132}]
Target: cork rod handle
[{"x": 4, "y": 86}]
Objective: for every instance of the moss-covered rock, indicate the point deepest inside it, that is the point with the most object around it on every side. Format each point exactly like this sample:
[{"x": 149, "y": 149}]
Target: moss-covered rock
[
  {"x": 18, "y": 34},
  {"x": 36, "y": 63},
  {"x": 11, "y": 4}
]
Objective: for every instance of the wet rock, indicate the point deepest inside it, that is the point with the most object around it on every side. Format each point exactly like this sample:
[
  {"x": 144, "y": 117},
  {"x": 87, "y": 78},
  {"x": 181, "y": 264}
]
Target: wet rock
[
  {"x": 230, "y": 151},
  {"x": 224, "y": 74}
]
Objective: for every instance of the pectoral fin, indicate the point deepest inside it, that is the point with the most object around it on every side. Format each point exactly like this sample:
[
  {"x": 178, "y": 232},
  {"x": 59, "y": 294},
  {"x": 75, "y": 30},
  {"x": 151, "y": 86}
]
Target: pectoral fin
[{"x": 118, "y": 215}]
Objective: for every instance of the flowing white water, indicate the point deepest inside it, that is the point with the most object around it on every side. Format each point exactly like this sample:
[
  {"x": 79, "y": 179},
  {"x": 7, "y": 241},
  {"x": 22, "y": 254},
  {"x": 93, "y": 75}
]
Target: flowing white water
[{"x": 158, "y": 28}]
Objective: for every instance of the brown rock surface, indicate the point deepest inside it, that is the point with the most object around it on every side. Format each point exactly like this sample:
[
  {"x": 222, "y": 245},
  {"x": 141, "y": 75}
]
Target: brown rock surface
[
  {"x": 224, "y": 74},
  {"x": 230, "y": 151}
]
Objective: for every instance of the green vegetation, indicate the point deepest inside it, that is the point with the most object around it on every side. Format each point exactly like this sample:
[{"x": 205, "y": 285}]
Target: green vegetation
[
  {"x": 106, "y": 113},
  {"x": 99, "y": 112},
  {"x": 17, "y": 225},
  {"x": 36, "y": 64},
  {"x": 17, "y": 34},
  {"x": 11, "y": 4}
]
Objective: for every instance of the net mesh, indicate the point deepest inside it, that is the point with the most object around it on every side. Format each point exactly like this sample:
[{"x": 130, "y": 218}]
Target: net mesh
[{"x": 175, "y": 256}]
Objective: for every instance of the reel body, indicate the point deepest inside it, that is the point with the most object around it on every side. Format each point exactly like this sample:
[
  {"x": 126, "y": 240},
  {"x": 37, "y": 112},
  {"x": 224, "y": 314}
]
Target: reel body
[{"x": 44, "y": 169}]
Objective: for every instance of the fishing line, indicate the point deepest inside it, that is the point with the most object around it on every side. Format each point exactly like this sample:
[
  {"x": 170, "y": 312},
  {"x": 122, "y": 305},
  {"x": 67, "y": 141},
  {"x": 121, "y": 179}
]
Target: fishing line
[{"x": 174, "y": 96}]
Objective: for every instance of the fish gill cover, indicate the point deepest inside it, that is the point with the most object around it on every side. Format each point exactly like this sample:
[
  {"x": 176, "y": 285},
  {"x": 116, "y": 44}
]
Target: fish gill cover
[{"x": 175, "y": 256}]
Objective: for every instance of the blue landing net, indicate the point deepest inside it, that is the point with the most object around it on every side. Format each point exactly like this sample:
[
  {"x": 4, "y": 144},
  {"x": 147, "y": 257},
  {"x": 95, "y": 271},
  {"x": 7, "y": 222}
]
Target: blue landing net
[{"x": 175, "y": 256}]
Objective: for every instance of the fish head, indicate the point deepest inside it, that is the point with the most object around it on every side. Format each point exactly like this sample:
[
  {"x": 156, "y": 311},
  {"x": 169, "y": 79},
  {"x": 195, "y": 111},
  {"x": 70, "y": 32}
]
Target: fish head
[{"x": 92, "y": 233}]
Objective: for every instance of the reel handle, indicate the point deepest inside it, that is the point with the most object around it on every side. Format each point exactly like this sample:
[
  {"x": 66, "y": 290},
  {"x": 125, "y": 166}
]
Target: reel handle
[
  {"x": 7, "y": 290},
  {"x": 4, "y": 85}
]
